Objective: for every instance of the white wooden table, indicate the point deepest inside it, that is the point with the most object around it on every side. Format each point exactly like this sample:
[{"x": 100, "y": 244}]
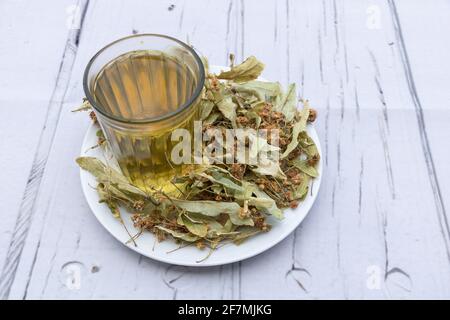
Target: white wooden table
[{"x": 376, "y": 70}]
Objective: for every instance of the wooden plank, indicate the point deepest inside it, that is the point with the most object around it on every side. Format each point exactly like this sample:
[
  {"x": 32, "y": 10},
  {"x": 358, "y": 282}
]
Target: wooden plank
[
  {"x": 33, "y": 42},
  {"x": 426, "y": 68},
  {"x": 66, "y": 238},
  {"x": 372, "y": 216}
]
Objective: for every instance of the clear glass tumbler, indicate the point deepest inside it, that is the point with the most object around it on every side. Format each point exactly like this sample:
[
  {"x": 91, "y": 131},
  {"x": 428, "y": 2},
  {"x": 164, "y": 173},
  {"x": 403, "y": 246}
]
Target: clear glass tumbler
[{"x": 142, "y": 88}]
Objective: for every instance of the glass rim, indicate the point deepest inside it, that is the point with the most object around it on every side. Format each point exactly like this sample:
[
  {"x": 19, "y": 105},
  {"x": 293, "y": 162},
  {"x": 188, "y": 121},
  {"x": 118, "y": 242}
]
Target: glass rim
[{"x": 184, "y": 106}]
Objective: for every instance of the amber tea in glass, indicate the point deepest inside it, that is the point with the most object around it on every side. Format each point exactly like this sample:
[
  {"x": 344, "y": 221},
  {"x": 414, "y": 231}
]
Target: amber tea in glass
[{"x": 142, "y": 88}]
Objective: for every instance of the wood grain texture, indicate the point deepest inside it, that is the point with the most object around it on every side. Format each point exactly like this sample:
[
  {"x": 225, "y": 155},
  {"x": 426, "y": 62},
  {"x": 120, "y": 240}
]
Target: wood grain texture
[
  {"x": 24, "y": 60},
  {"x": 375, "y": 71}
]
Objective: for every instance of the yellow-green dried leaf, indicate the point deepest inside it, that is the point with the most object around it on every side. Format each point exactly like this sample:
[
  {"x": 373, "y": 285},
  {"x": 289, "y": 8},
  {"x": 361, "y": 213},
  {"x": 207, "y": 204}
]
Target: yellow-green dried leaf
[
  {"x": 302, "y": 189},
  {"x": 214, "y": 209},
  {"x": 298, "y": 128},
  {"x": 248, "y": 70},
  {"x": 307, "y": 145},
  {"x": 288, "y": 104},
  {"x": 305, "y": 167},
  {"x": 198, "y": 229},
  {"x": 271, "y": 168},
  {"x": 228, "y": 108},
  {"x": 208, "y": 208},
  {"x": 245, "y": 234},
  {"x": 266, "y": 204},
  {"x": 105, "y": 197},
  {"x": 215, "y": 229},
  {"x": 220, "y": 178},
  {"x": 212, "y": 118},
  {"x": 262, "y": 91},
  {"x": 206, "y": 108},
  {"x": 106, "y": 174},
  {"x": 179, "y": 235}
]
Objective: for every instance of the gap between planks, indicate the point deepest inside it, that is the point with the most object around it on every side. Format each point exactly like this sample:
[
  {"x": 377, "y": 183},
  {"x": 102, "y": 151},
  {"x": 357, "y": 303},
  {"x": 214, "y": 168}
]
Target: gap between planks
[{"x": 27, "y": 207}]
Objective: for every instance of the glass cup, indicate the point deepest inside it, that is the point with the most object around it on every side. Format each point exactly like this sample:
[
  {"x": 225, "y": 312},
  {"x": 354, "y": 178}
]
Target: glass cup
[{"x": 142, "y": 88}]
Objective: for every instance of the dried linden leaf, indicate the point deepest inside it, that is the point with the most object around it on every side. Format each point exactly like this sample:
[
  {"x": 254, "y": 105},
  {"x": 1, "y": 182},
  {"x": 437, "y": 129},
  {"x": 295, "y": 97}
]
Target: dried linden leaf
[
  {"x": 266, "y": 203},
  {"x": 299, "y": 127},
  {"x": 245, "y": 234},
  {"x": 108, "y": 175},
  {"x": 228, "y": 109},
  {"x": 307, "y": 144},
  {"x": 206, "y": 108},
  {"x": 179, "y": 235},
  {"x": 198, "y": 229},
  {"x": 302, "y": 189},
  {"x": 214, "y": 209},
  {"x": 288, "y": 105},
  {"x": 248, "y": 70},
  {"x": 305, "y": 167},
  {"x": 220, "y": 178},
  {"x": 260, "y": 90},
  {"x": 271, "y": 168}
]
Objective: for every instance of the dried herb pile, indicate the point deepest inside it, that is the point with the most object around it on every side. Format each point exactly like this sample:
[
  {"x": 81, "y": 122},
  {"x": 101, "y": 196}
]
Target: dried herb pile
[{"x": 222, "y": 202}]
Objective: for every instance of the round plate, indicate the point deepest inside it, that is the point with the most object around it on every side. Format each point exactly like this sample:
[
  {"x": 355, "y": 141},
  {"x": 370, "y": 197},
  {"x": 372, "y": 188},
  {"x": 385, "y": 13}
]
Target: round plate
[{"x": 190, "y": 255}]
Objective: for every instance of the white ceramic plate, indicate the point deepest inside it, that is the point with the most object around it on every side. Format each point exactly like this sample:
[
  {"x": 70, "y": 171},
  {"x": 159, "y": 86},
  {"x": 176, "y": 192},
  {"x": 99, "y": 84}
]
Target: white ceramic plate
[{"x": 189, "y": 256}]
